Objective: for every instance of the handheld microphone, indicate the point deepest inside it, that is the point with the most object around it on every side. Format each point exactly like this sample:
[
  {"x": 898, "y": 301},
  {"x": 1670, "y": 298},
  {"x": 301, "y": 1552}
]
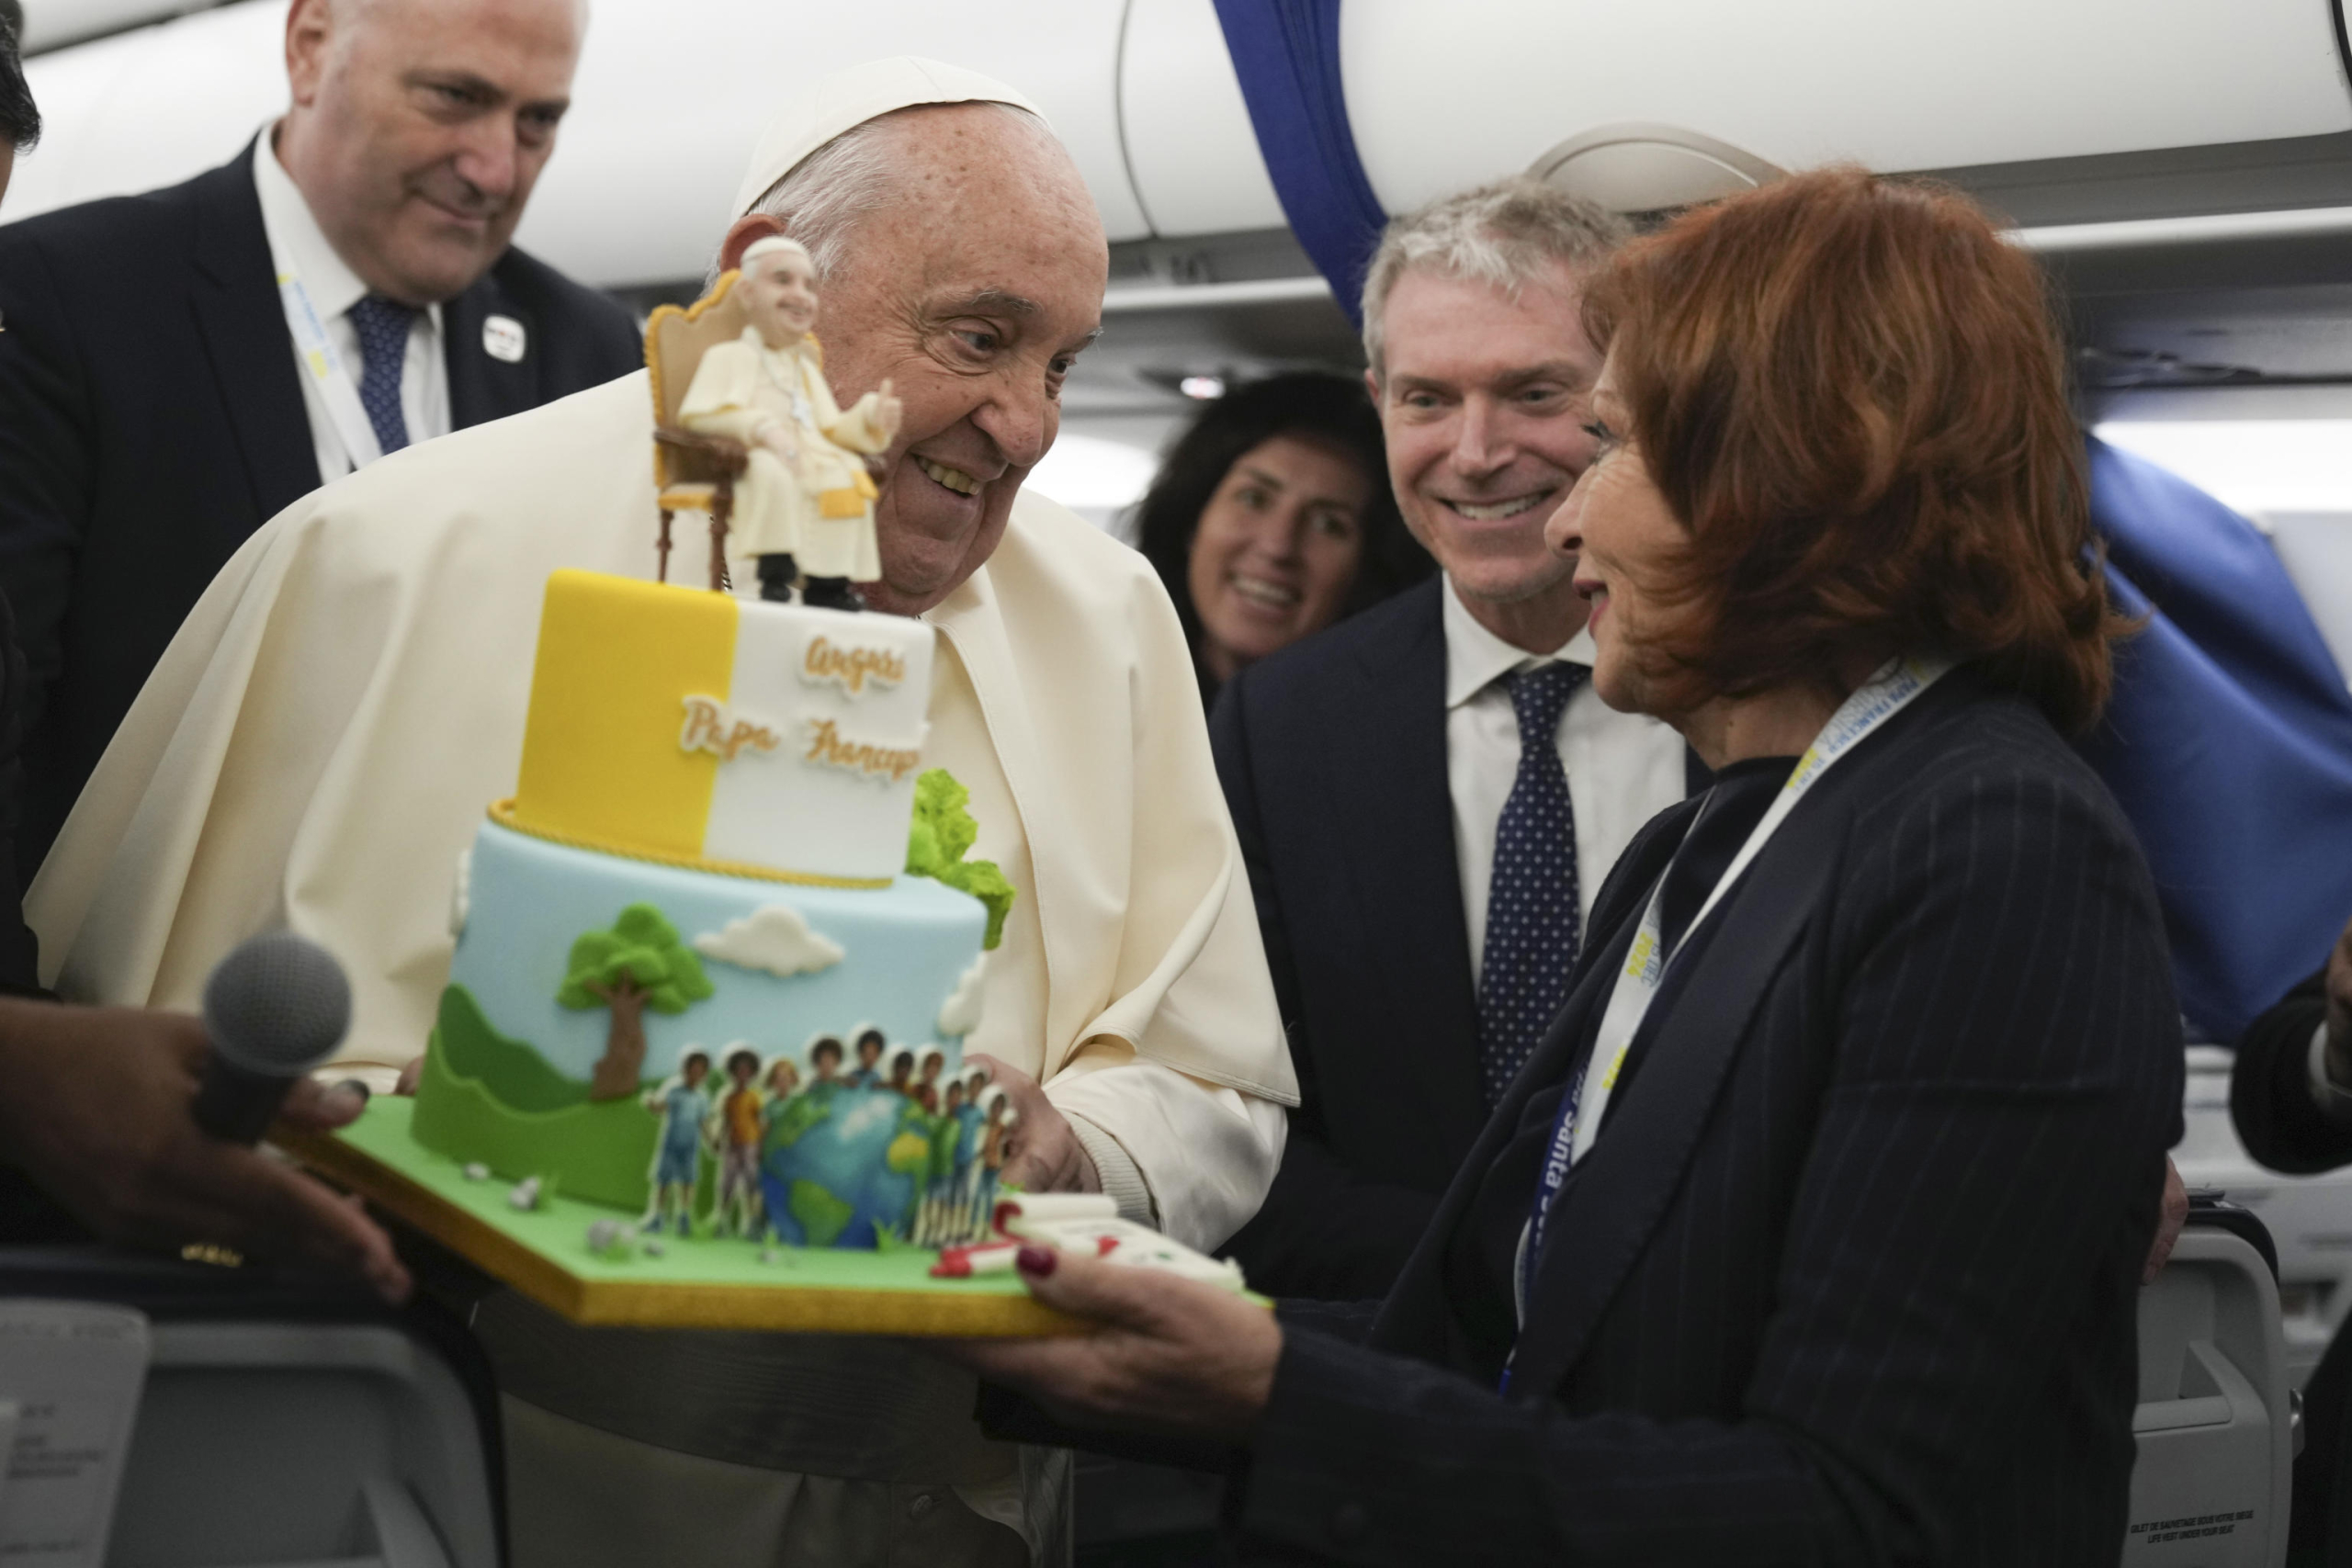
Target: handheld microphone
[{"x": 275, "y": 1009}]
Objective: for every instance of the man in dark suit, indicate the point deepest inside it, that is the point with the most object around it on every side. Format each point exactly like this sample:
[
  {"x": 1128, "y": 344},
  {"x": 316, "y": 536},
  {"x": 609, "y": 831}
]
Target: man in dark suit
[
  {"x": 2290, "y": 1098},
  {"x": 1375, "y": 772},
  {"x": 178, "y": 366}
]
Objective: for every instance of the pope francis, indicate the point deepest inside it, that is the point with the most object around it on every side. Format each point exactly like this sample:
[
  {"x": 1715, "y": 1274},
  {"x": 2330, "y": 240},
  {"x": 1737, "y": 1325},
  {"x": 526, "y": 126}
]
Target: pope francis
[{"x": 320, "y": 740}]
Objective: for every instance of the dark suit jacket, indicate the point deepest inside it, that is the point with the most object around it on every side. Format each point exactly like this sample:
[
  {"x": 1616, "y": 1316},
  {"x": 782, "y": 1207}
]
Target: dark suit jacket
[
  {"x": 2271, "y": 1101},
  {"x": 1851, "y": 1276},
  {"x": 1332, "y": 756},
  {"x": 18, "y": 963},
  {"x": 152, "y": 417},
  {"x": 2270, "y": 1095}
]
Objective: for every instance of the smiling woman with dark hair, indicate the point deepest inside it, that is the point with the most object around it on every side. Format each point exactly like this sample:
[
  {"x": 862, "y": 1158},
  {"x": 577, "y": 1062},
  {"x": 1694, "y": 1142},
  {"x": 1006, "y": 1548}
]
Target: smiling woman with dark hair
[
  {"x": 1812, "y": 1231},
  {"x": 1272, "y": 519}
]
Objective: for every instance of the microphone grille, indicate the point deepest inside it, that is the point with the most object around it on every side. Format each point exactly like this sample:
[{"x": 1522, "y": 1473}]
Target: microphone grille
[{"x": 280, "y": 1004}]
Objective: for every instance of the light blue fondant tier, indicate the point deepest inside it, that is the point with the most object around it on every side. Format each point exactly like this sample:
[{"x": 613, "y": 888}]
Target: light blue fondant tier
[{"x": 904, "y": 948}]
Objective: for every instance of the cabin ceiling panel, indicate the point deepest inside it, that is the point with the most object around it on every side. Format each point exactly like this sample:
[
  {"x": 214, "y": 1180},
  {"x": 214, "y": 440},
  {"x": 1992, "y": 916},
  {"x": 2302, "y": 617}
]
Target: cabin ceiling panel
[{"x": 1442, "y": 96}]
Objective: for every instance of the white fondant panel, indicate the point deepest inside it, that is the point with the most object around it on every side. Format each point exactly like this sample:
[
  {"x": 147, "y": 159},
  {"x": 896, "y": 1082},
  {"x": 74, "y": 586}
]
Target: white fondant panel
[
  {"x": 1440, "y": 96},
  {"x": 786, "y": 809}
]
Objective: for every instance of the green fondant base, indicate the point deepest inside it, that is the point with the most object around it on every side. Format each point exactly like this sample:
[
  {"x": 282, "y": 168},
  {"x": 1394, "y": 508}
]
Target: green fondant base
[
  {"x": 598, "y": 1151},
  {"x": 558, "y": 1231}
]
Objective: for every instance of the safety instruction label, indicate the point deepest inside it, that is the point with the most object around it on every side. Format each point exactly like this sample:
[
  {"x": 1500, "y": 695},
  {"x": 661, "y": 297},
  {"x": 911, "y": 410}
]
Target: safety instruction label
[{"x": 71, "y": 1374}]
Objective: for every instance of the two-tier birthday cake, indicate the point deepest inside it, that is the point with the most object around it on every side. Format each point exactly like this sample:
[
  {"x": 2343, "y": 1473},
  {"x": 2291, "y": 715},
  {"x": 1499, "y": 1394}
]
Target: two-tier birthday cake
[{"x": 697, "y": 982}]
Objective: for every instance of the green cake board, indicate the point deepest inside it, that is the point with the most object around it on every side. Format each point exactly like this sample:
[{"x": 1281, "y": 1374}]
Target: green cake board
[{"x": 696, "y": 1283}]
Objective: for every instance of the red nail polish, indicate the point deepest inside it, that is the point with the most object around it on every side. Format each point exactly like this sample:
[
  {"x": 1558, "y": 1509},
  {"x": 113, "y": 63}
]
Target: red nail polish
[{"x": 1038, "y": 1260}]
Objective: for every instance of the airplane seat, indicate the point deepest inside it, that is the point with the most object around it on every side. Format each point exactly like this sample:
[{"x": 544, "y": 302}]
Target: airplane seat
[
  {"x": 2215, "y": 1422},
  {"x": 289, "y": 1421}
]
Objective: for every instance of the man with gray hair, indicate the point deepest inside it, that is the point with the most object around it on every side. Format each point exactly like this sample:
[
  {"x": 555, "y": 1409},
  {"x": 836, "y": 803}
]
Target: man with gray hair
[
  {"x": 183, "y": 364},
  {"x": 1429, "y": 794},
  {"x": 318, "y": 746}
]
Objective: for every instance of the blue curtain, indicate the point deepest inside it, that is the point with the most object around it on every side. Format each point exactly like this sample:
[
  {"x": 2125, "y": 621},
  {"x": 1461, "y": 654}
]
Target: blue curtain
[
  {"x": 2228, "y": 742},
  {"x": 1287, "y": 55}
]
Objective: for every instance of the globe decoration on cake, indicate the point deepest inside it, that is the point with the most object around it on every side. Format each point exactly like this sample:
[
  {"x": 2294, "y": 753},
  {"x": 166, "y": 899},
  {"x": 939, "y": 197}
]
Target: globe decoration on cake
[{"x": 849, "y": 1164}]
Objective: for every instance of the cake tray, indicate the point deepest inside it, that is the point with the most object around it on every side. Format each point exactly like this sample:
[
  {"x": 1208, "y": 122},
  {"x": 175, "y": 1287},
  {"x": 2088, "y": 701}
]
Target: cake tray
[{"x": 694, "y": 1283}]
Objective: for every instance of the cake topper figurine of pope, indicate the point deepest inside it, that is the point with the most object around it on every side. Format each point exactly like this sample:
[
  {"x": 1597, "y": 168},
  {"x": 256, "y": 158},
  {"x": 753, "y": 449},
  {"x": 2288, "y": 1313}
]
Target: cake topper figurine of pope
[{"x": 805, "y": 503}]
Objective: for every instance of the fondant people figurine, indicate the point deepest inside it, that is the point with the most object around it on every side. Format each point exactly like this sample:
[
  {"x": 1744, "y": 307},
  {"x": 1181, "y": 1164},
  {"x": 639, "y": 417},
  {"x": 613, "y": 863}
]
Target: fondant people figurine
[
  {"x": 869, "y": 1074},
  {"x": 783, "y": 1077},
  {"x": 789, "y": 1110},
  {"x": 971, "y": 1134},
  {"x": 824, "y": 1063},
  {"x": 926, "y": 1090},
  {"x": 805, "y": 506},
  {"x": 739, "y": 1143},
  {"x": 903, "y": 1074},
  {"x": 934, "y": 1214},
  {"x": 995, "y": 1134},
  {"x": 683, "y": 1106}
]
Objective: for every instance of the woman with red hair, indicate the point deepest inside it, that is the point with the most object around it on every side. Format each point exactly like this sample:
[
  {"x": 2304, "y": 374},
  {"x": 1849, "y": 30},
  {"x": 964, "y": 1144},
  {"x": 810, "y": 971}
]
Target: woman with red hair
[{"x": 1812, "y": 1231}]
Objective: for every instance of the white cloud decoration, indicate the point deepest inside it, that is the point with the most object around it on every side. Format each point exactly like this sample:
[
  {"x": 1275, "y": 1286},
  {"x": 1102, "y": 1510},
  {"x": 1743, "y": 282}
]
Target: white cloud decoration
[
  {"x": 960, "y": 1014},
  {"x": 774, "y": 938},
  {"x": 461, "y": 894}
]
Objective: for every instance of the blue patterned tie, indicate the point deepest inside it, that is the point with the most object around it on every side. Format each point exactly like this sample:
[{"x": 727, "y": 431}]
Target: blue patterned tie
[
  {"x": 382, "y": 325},
  {"x": 1532, "y": 923}
]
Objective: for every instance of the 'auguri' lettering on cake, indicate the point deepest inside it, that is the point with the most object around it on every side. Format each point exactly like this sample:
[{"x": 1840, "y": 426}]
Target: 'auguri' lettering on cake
[
  {"x": 711, "y": 726},
  {"x": 829, "y": 747},
  {"x": 852, "y": 668}
]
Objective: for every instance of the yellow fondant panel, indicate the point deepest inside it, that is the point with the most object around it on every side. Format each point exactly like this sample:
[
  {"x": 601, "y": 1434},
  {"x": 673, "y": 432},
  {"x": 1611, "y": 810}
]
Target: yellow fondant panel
[{"x": 601, "y": 759}]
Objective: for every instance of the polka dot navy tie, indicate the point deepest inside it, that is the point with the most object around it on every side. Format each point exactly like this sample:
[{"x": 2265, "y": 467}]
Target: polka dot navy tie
[
  {"x": 1532, "y": 924},
  {"x": 382, "y": 325}
]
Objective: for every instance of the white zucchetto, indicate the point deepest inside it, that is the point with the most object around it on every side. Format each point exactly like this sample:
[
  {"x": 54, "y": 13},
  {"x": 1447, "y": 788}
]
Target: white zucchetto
[{"x": 853, "y": 96}]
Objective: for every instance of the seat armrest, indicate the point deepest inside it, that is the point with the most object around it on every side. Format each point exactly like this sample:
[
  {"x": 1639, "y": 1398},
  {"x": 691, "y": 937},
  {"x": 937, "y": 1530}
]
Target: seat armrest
[{"x": 723, "y": 451}]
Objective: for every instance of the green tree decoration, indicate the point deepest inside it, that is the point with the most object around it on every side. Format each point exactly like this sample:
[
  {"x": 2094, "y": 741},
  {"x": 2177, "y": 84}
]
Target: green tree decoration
[
  {"x": 943, "y": 831},
  {"x": 640, "y": 962}
]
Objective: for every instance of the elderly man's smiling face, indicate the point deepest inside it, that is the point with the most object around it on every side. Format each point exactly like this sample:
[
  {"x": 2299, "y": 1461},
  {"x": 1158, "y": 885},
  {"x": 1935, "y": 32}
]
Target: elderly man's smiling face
[{"x": 971, "y": 290}]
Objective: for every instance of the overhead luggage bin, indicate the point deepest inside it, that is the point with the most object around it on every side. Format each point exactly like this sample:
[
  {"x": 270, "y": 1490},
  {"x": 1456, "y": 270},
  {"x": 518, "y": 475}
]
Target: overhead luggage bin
[
  {"x": 1437, "y": 93},
  {"x": 667, "y": 103},
  {"x": 2215, "y": 1423}
]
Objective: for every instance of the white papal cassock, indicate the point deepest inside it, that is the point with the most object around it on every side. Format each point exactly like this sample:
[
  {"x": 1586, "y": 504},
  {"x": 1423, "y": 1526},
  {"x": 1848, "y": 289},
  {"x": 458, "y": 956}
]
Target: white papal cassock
[
  {"x": 321, "y": 740},
  {"x": 816, "y": 508}
]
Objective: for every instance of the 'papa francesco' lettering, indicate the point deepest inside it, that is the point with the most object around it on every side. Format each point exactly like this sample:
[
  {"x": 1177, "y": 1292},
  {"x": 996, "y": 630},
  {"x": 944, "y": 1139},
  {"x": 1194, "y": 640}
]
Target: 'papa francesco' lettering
[
  {"x": 828, "y": 748},
  {"x": 852, "y": 668},
  {"x": 711, "y": 726}
]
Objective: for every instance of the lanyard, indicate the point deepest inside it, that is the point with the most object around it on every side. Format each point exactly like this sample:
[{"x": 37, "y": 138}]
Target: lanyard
[
  {"x": 325, "y": 366},
  {"x": 1880, "y": 698}
]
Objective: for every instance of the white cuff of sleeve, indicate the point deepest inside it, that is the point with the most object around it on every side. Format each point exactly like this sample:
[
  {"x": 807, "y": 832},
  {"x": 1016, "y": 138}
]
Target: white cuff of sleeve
[
  {"x": 1123, "y": 1181},
  {"x": 2335, "y": 1102}
]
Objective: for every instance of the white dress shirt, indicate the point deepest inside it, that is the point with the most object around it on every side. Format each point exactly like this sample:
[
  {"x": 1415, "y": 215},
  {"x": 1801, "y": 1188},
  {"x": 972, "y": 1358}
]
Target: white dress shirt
[
  {"x": 1623, "y": 768},
  {"x": 298, "y": 245}
]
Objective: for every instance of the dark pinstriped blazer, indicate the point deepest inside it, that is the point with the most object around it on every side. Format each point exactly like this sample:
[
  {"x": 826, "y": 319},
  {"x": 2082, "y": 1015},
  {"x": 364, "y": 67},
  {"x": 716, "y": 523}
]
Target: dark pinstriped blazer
[{"x": 1850, "y": 1277}]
